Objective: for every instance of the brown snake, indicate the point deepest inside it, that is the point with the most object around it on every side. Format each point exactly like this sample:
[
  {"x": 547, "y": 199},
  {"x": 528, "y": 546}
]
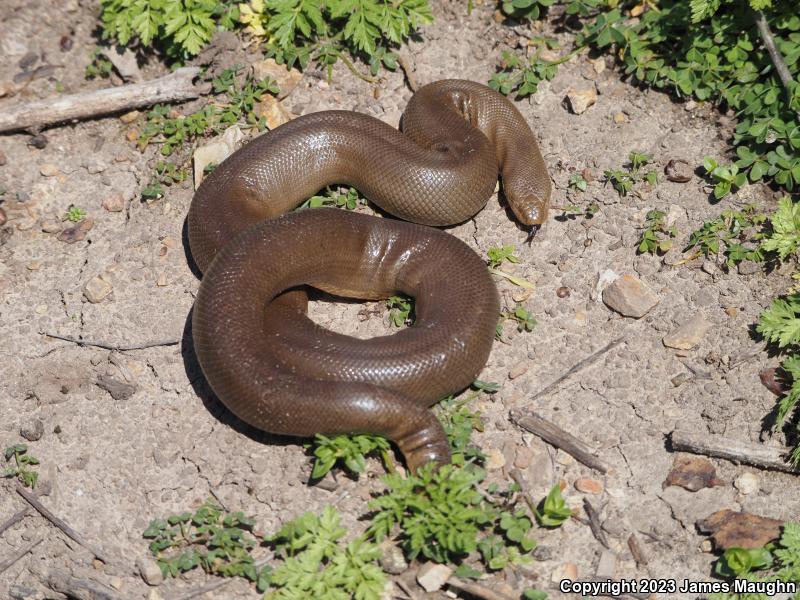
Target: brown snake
[{"x": 264, "y": 358}]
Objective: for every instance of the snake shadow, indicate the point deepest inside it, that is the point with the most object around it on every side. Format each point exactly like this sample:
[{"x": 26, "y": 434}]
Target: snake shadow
[{"x": 198, "y": 381}]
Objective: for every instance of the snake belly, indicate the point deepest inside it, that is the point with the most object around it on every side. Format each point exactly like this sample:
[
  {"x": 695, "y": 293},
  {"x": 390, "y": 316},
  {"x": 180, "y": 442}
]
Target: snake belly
[{"x": 264, "y": 358}]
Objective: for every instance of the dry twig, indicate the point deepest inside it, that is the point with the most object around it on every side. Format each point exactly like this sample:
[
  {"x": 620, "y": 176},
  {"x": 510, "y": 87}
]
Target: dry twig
[
  {"x": 774, "y": 54},
  {"x": 594, "y": 523},
  {"x": 178, "y": 85},
  {"x": 14, "y": 519},
  {"x": 757, "y": 455},
  {"x": 592, "y": 358},
  {"x": 555, "y": 436},
  {"x": 636, "y": 550},
  {"x": 108, "y": 346},
  {"x": 34, "y": 502},
  {"x": 476, "y": 589},
  {"x": 5, "y": 565}
]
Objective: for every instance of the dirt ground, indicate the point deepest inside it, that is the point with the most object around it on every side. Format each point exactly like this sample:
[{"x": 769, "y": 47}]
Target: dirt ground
[{"x": 112, "y": 465}]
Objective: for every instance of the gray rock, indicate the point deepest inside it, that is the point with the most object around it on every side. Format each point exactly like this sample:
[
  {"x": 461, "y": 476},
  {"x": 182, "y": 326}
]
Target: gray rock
[
  {"x": 149, "y": 570},
  {"x": 432, "y": 576},
  {"x": 392, "y": 559},
  {"x": 688, "y": 335},
  {"x": 32, "y": 430},
  {"x": 630, "y": 297},
  {"x": 119, "y": 390},
  {"x": 748, "y": 267}
]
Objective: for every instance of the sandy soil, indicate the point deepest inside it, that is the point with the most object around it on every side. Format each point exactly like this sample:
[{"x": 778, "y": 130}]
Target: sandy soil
[{"x": 113, "y": 465}]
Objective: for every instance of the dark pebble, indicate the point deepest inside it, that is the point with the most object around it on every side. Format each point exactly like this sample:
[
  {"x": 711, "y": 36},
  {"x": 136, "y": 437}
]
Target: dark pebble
[
  {"x": 678, "y": 170},
  {"x": 28, "y": 60},
  {"x": 38, "y": 141},
  {"x": 542, "y": 553},
  {"x": 23, "y": 196},
  {"x": 563, "y": 292},
  {"x": 65, "y": 43},
  {"x": 32, "y": 431}
]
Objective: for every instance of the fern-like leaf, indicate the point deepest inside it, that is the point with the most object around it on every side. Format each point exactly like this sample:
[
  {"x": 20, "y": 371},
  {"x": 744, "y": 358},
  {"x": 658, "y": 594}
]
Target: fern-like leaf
[{"x": 780, "y": 323}]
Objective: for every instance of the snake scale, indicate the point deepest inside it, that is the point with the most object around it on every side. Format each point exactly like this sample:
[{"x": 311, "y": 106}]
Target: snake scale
[{"x": 264, "y": 358}]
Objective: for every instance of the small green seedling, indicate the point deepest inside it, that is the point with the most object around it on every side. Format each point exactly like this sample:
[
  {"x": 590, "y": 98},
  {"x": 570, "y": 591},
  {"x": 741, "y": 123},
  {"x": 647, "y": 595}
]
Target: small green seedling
[
  {"x": 350, "y": 199},
  {"x": 315, "y": 563},
  {"x": 351, "y": 450},
  {"x": 99, "y": 66},
  {"x": 727, "y": 178},
  {"x": 623, "y": 181},
  {"x": 534, "y": 595},
  {"x": 22, "y": 463},
  {"x": 401, "y": 310},
  {"x": 656, "y": 237},
  {"x": 738, "y": 562},
  {"x": 525, "y": 320},
  {"x": 217, "y": 541},
  {"x": 497, "y": 256},
  {"x": 553, "y": 510},
  {"x": 458, "y": 422},
  {"x": 577, "y": 182},
  {"x": 729, "y": 233},
  {"x": 783, "y": 237},
  {"x": 75, "y": 214}
]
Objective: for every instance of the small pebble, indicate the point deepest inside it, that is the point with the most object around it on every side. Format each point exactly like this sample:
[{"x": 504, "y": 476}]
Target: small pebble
[
  {"x": 33, "y": 430},
  {"x": 114, "y": 203},
  {"x": 432, "y": 576},
  {"x": 65, "y": 43},
  {"x": 77, "y": 232},
  {"x": 96, "y": 289},
  {"x": 606, "y": 565},
  {"x": 579, "y": 101},
  {"x": 620, "y": 118},
  {"x": 542, "y": 553},
  {"x": 630, "y": 297},
  {"x": 689, "y": 334},
  {"x": 130, "y": 117},
  {"x": 149, "y": 570},
  {"x": 38, "y": 141},
  {"x": 563, "y": 292},
  {"x": 162, "y": 280},
  {"x": 392, "y": 559},
  {"x": 51, "y": 226},
  {"x": 678, "y": 170},
  {"x": 23, "y": 196},
  {"x": 49, "y": 170},
  {"x": 589, "y": 486},
  {"x": 747, "y": 483},
  {"x": 517, "y": 370},
  {"x": 732, "y": 311},
  {"x": 132, "y": 135},
  {"x": 706, "y": 546}
]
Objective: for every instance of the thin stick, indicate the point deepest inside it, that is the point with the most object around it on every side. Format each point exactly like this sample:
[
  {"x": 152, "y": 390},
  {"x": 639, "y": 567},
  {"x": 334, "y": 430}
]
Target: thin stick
[
  {"x": 476, "y": 589},
  {"x": 108, "y": 346},
  {"x": 594, "y": 523},
  {"x": 34, "y": 502},
  {"x": 774, "y": 54},
  {"x": 5, "y": 565},
  {"x": 81, "y": 589},
  {"x": 555, "y": 436},
  {"x": 758, "y": 455},
  {"x": 516, "y": 475},
  {"x": 178, "y": 85},
  {"x": 578, "y": 367},
  {"x": 14, "y": 519},
  {"x": 636, "y": 550},
  {"x": 204, "y": 589},
  {"x": 411, "y": 79}
]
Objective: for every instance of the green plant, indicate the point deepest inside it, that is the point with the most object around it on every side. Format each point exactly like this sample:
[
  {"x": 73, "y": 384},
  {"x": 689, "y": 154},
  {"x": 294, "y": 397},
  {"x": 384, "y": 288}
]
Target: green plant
[
  {"x": 730, "y": 233},
  {"x": 624, "y": 180},
  {"x": 439, "y": 512},
  {"x": 497, "y": 256},
  {"x": 350, "y": 199},
  {"x": 401, "y": 310},
  {"x": 780, "y": 325},
  {"x": 75, "y": 214},
  {"x": 458, "y": 422},
  {"x": 172, "y": 131},
  {"x": 783, "y": 236},
  {"x": 656, "y": 237},
  {"x": 22, "y": 463},
  {"x": 316, "y": 565},
  {"x": 522, "y": 75},
  {"x": 577, "y": 182},
  {"x": 534, "y": 595},
  {"x": 99, "y": 66},
  {"x": 727, "y": 178},
  {"x": 351, "y": 450},
  {"x": 553, "y": 510},
  {"x": 776, "y": 562},
  {"x": 525, "y": 320},
  {"x": 181, "y": 28},
  {"x": 217, "y": 541},
  {"x": 298, "y": 31}
]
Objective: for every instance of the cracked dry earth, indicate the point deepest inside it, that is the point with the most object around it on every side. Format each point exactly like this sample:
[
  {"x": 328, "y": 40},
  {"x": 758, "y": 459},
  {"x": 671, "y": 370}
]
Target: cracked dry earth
[{"x": 156, "y": 444}]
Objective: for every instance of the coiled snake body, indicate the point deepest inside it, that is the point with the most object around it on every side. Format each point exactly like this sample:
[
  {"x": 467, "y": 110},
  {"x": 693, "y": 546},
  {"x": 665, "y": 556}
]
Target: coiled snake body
[{"x": 264, "y": 358}]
